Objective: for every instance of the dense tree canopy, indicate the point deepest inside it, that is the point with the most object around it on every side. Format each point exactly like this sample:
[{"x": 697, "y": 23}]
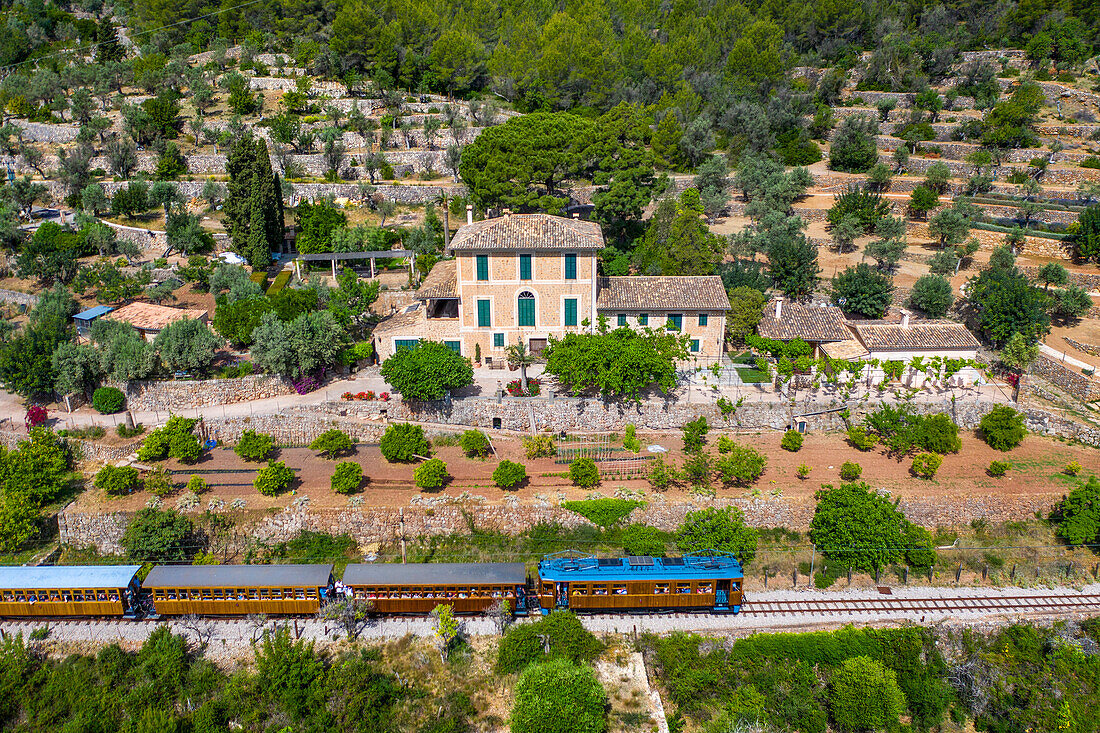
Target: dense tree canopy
[
  {"x": 427, "y": 371},
  {"x": 619, "y": 363}
]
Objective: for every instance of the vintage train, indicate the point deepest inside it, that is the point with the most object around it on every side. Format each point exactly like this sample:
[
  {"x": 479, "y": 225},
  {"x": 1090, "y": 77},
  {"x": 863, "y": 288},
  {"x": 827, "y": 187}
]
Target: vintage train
[{"x": 709, "y": 581}]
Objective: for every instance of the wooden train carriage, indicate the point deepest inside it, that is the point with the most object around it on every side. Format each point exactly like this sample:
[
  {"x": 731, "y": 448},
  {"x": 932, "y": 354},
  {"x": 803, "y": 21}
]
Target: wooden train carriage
[
  {"x": 420, "y": 587},
  {"x": 69, "y": 590},
  {"x": 236, "y": 590},
  {"x": 699, "y": 582}
]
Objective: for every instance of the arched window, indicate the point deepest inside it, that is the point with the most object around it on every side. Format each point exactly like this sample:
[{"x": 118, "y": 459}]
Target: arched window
[{"x": 526, "y": 311}]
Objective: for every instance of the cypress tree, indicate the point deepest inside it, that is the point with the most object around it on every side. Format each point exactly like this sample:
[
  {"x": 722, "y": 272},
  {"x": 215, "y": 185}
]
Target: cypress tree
[{"x": 253, "y": 205}]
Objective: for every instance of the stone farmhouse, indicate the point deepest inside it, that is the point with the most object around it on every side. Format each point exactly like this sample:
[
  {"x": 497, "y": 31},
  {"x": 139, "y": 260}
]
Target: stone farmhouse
[
  {"x": 532, "y": 277},
  {"x": 830, "y": 333}
]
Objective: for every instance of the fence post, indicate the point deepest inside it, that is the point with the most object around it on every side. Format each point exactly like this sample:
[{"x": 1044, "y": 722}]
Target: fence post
[
  {"x": 958, "y": 572},
  {"x": 794, "y": 578},
  {"x": 1012, "y": 575},
  {"x": 985, "y": 571},
  {"x": 765, "y": 580},
  {"x": 905, "y": 576},
  {"x": 849, "y": 575},
  {"x": 931, "y": 569}
]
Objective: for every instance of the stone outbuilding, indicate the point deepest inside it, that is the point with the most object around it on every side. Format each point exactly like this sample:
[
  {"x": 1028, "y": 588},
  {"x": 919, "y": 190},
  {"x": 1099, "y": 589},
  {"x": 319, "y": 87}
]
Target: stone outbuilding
[{"x": 786, "y": 320}]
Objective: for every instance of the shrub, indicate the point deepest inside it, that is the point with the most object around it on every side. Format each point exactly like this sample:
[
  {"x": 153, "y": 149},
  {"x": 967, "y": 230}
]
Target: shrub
[
  {"x": 792, "y": 440},
  {"x": 347, "y": 477},
  {"x": 274, "y": 478},
  {"x": 116, "y": 480},
  {"x": 474, "y": 443},
  {"x": 851, "y": 471},
  {"x": 157, "y": 536},
  {"x": 128, "y": 432},
  {"x": 254, "y": 446},
  {"x": 661, "y": 474},
  {"x": 157, "y": 444},
  {"x": 925, "y": 465},
  {"x": 630, "y": 439},
  {"x": 197, "y": 485},
  {"x": 641, "y": 539},
  {"x": 559, "y": 697},
  {"x": 1072, "y": 468},
  {"x": 402, "y": 442},
  {"x": 184, "y": 447},
  {"x": 431, "y": 474},
  {"x": 695, "y": 434},
  {"x": 725, "y": 444},
  {"x": 1078, "y": 515},
  {"x": 604, "y": 513},
  {"x": 718, "y": 529},
  {"x": 864, "y": 695},
  {"x": 998, "y": 468},
  {"x": 332, "y": 443},
  {"x": 742, "y": 465},
  {"x": 861, "y": 439},
  {"x": 568, "y": 639},
  {"x": 509, "y": 475},
  {"x": 158, "y": 482},
  {"x": 108, "y": 400},
  {"x": 539, "y": 446},
  {"x": 804, "y": 470},
  {"x": 1002, "y": 428},
  {"x": 583, "y": 473}
]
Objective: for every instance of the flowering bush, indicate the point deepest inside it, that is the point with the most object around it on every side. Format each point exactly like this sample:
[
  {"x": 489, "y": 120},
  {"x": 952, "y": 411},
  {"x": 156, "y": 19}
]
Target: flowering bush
[
  {"x": 515, "y": 388},
  {"x": 36, "y": 416},
  {"x": 368, "y": 396},
  {"x": 305, "y": 384}
]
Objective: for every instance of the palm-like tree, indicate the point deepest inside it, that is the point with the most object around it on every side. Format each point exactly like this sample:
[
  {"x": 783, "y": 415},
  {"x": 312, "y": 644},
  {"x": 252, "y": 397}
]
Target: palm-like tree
[{"x": 519, "y": 355}]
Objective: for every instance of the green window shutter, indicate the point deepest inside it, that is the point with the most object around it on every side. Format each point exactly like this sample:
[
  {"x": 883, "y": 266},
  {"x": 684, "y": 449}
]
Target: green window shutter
[
  {"x": 405, "y": 344},
  {"x": 643, "y": 319},
  {"x": 570, "y": 267},
  {"x": 702, "y": 319},
  {"x": 695, "y": 344},
  {"x": 525, "y": 267},
  {"x": 571, "y": 311},
  {"x": 498, "y": 340},
  {"x": 483, "y": 267},
  {"x": 621, "y": 321},
  {"x": 526, "y": 311},
  {"x": 675, "y": 322},
  {"x": 484, "y": 313}
]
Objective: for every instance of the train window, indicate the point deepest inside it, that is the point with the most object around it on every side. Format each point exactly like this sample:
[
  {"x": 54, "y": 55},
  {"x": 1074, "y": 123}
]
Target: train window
[
  {"x": 682, "y": 588},
  {"x": 580, "y": 590},
  {"x": 599, "y": 589},
  {"x": 705, "y": 588},
  {"x": 619, "y": 590},
  {"x": 736, "y": 587},
  {"x": 55, "y": 596},
  {"x": 299, "y": 594},
  {"x": 661, "y": 589},
  {"x": 288, "y": 593},
  {"x": 253, "y": 594}
]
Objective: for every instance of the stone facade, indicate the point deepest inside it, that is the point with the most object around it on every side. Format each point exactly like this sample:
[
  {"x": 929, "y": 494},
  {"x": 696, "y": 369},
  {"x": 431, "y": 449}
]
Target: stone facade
[
  {"x": 14, "y": 296},
  {"x": 1084, "y": 388},
  {"x": 189, "y": 394}
]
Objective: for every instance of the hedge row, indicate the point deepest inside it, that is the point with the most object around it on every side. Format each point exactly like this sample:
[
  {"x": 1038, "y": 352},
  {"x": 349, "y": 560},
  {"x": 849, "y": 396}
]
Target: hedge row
[{"x": 1029, "y": 232}]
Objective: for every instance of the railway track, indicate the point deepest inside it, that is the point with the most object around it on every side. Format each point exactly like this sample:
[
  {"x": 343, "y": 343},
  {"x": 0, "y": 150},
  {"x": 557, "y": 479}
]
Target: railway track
[{"x": 888, "y": 605}]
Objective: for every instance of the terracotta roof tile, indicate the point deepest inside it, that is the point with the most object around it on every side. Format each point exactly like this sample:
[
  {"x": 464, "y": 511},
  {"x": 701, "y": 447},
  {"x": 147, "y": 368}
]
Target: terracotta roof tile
[
  {"x": 694, "y": 293},
  {"x": 809, "y": 323},
  {"x": 153, "y": 317},
  {"x": 441, "y": 282},
  {"x": 929, "y": 335},
  {"x": 529, "y": 231}
]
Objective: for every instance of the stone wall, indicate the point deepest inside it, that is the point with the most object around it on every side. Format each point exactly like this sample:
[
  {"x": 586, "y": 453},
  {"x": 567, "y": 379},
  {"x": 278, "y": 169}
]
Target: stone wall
[
  {"x": 188, "y": 394},
  {"x": 1082, "y": 347},
  {"x": 40, "y": 132},
  {"x": 1086, "y": 280},
  {"x": 14, "y": 296},
  {"x": 86, "y": 450},
  {"x": 440, "y": 516},
  {"x": 1073, "y": 382}
]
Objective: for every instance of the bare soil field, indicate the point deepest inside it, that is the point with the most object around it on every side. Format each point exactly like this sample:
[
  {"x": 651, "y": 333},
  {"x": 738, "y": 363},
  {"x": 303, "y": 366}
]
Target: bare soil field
[{"x": 1037, "y": 471}]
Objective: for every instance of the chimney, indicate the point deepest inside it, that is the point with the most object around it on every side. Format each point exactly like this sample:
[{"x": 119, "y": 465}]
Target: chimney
[
  {"x": 778, "y": 308},
  {"x": 507, "y": 213},
  {"x": 905, "y": 319},
  {"x": 469, "y": 214},
  {"x": 576, "y": 215}
]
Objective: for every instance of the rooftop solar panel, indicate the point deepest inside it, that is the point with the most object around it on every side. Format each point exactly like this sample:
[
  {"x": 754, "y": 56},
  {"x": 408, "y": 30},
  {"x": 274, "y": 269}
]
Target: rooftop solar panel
[{"x": 640, "y": 562}]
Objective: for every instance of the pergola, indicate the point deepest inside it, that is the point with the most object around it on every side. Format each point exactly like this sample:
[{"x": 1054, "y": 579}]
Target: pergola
[{"x": 386, "y": 254}]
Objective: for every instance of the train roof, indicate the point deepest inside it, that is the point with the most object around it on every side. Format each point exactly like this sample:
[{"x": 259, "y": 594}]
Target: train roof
[
  {"x": 67, "y": 576},
  {"x": 238, "y": 576},
  {"x": 451, "y": 573},
  {"x": 569, "y": 566}
]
